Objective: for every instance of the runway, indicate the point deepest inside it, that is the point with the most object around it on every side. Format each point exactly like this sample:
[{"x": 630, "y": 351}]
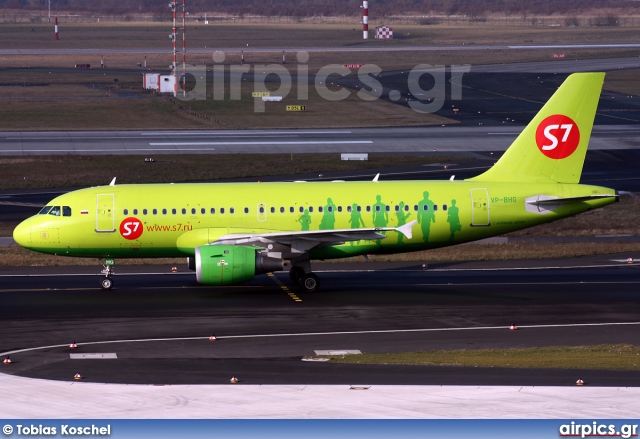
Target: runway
[
  {"x": 369, "y": 140},
  {"x": 153, "y": 330},
  {"x": 159, "y": 323}
]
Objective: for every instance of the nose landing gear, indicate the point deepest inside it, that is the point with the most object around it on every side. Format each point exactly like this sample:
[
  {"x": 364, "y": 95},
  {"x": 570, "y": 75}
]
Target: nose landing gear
[{"x": 107, "y": 282}]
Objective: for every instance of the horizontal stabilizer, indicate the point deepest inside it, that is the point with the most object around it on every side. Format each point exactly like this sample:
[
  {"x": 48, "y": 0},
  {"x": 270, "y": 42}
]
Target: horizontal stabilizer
[{"x": 545, "y": 203}]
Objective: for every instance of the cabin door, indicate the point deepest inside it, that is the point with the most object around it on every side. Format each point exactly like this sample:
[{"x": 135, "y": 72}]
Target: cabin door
[
  {"x": 480, "y": 207},
  {"x": 105, "y": 213}
]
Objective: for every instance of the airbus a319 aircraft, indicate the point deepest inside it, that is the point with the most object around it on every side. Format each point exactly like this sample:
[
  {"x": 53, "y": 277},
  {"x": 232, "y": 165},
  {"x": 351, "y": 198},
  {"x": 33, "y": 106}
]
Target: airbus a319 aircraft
[{"x": 231, "y": 232}]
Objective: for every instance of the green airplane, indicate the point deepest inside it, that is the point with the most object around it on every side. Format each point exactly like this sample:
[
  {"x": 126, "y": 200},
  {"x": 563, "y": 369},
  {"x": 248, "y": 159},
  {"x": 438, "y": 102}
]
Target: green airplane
[{"x": 231, "y": 232}]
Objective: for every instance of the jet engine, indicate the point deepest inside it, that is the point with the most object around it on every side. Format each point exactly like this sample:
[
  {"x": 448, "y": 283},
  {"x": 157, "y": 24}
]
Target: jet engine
[{"x": 231, "y": 264}]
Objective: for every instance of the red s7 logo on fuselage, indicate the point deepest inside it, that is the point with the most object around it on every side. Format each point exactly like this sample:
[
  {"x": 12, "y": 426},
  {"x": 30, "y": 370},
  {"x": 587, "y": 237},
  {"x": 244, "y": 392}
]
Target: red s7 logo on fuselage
[{"x": 131, "y": 228}]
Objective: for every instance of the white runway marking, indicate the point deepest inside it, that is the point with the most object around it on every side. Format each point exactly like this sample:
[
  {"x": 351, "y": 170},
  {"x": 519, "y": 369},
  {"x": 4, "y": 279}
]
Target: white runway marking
[
  {"x": 320, "y": 142},
  {"x": 322, "y": 334}
]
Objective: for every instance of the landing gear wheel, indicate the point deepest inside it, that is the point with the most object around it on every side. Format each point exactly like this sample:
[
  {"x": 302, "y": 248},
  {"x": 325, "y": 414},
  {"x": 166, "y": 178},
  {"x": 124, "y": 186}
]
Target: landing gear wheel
[
  {"x": 106, "y": 283},
  {"x": 296, "y": 274},
  {"x": 310, "y": 283}
]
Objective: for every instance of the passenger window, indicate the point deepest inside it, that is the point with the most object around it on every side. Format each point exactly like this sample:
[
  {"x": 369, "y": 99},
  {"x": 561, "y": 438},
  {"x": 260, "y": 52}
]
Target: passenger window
[
  {"x": 193, "y": 211},
  {"x": 55, "y": 211},
  {"x": 203, "y": 211},
  {"x": 155, "y": 211},
  {"x": 184, "y": 211},
  {"x": 301, "y": 209},
  {"x": 213, "y": 211},
  {"x": 425, "y": 207},
  {"x": 320, "y": 209},
  {"x": 348, "y": 208},
  {"x": 246, "y": 210},
  {"x": 406, "y": 208},
  {"x": 435, "y": 207},
  {"x": 273, "y": 210},
  {"x": 126, "y": 212},
  {"x": 261, "y": 209},
  {"x": 222, "y": 210},
  {"x": 368, "y": 208},
  {"x": 174, "y": 211},
  {"x": 415, "y": 207},
  {"x": 387, "y": 208},
  {"x": 232, "y": 210},
  {"x": 144, "y": 211},
  {"x": 45, "y": 210},
  {"x": 444, "y": 207},
  {"x": 339, "y": 208},
  {"x": 359, "y": 209},
  {"x": 310, "y": 209},
  {"x": 292, "y": 209},
  {"x": 66, "y": 211},
  {"x": 164, "y": 211},
  {"x": 135, "y": 211},
  {"x": 397, "y": 208},
  {"x": 282, "y": 210},
  {"x": 377, "y": 208}
]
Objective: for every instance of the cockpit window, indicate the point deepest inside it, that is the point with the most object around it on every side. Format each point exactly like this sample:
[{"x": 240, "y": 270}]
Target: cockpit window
[
  {"x": 66, "y": 211},
  {"x": 55, "y": 211},
  {"x": 45, "y": 210}
]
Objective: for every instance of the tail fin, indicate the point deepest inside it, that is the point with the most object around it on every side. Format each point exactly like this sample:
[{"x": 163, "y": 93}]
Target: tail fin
[{"x": 553, "y": 146}]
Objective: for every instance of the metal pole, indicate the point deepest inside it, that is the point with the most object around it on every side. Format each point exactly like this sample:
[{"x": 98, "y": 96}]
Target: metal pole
[
  {"x": 365, "y": 19},
  {"x": 56, "y": 30},
  {"x": 184, "y": 50},
  {"x": 175, "y": 59}
]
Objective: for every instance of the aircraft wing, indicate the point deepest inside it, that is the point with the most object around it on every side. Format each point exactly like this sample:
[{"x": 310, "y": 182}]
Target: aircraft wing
[{"x": 305, "y": 240}]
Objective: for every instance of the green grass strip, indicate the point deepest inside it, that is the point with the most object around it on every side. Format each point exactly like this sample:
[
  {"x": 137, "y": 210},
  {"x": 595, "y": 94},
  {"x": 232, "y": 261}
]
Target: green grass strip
[{"x": 602, "y": 357}]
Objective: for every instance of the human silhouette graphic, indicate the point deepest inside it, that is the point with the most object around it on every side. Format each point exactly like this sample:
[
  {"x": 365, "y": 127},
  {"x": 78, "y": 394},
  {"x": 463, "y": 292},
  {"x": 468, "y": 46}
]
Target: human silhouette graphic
[
  {"x": 402, "y": 219},
  {"x": 380, "y": 214},
  {"x": 328, "y": 220},
  {"x": 426, "y": 216},
  {"x": 305, "y": 220},
  {"x": 453, "y": 219},
  {"x": 356, "y": 220}
]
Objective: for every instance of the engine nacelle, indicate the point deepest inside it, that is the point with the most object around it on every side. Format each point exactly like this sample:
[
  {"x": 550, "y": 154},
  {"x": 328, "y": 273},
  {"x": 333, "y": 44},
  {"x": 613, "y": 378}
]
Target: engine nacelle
[{"x": 231, "y": 264}]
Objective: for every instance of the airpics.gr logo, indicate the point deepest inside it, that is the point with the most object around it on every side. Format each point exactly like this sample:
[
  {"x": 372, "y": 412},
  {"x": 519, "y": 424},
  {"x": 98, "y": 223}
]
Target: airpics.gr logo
[
  {"x": 557, "y": 136},
  {"x": 131, "y": 228}
]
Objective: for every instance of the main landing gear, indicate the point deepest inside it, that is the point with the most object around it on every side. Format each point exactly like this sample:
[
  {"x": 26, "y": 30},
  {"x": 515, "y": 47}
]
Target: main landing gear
[
  {"x": 107, "y": 282},
  {"x": 308, "y": 281}
]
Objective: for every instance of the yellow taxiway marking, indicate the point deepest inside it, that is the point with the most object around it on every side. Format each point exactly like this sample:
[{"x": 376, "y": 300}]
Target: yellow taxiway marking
[{"x": 284, "y": 288}]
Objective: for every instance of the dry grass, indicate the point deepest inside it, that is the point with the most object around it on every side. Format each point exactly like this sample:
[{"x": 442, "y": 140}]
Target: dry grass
[
  {"x": 90, "y": 170},
  {"x": 105, "y": 36},
  {"x": 600, "y": 357}
]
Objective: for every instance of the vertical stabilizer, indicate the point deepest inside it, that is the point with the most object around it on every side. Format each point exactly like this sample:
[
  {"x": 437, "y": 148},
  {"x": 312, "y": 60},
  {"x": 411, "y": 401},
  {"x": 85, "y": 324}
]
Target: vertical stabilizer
[{"x": 553, "y": 146}]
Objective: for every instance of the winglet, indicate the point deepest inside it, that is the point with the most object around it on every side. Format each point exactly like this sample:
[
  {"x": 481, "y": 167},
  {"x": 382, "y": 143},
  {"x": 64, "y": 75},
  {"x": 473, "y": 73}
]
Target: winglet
[
  {"x": 376, "y": 177},
  {"x": 406, "y": 229},
  {"x": 113, "y": 182}
]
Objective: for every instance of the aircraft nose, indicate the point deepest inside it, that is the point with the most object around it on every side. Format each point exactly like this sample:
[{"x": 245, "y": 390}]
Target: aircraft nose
[{"x": 22, "y": 234}]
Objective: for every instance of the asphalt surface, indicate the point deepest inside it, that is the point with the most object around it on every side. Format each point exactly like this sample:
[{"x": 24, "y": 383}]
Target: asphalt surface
[
  {"x": 263, "y": 334},
  {"x": 369, "y": 46}
]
